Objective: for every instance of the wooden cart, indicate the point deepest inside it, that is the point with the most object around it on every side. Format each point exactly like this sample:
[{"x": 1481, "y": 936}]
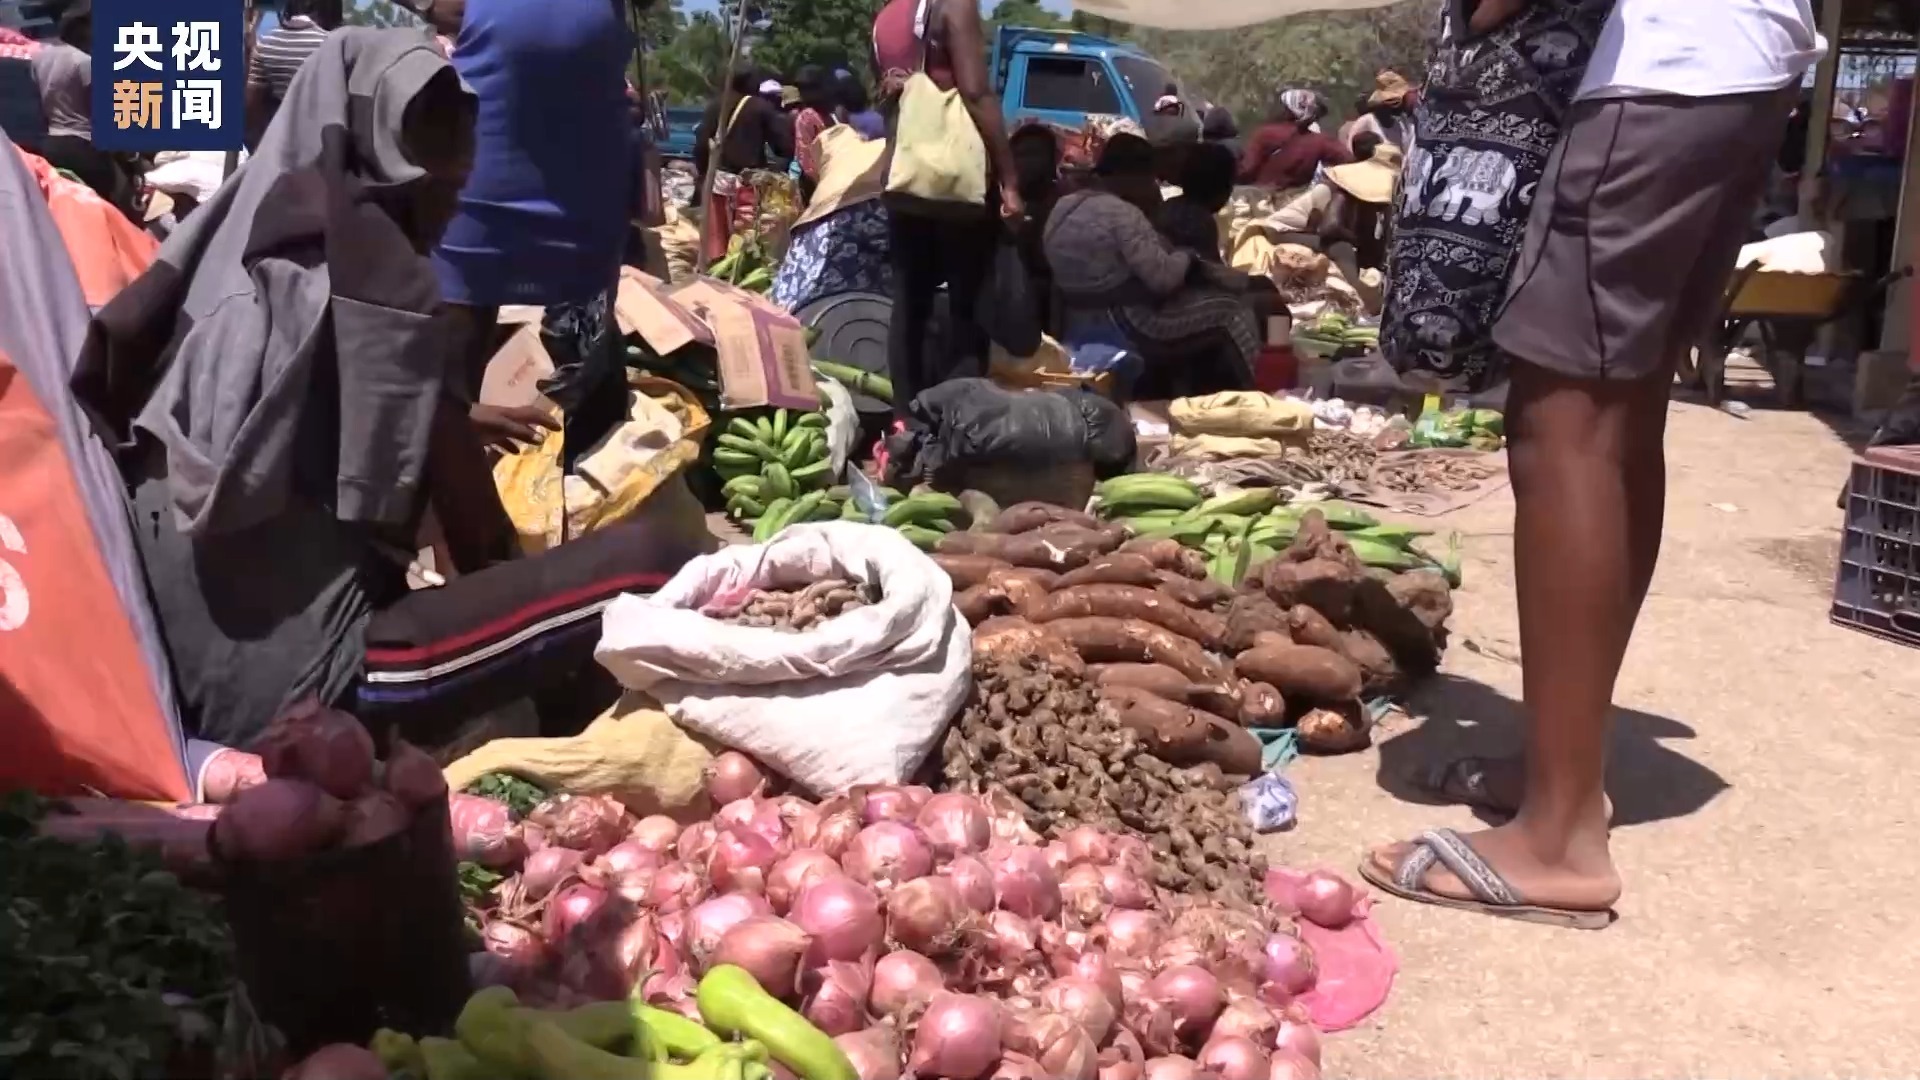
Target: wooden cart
[{"x": 1788, "y": 309}]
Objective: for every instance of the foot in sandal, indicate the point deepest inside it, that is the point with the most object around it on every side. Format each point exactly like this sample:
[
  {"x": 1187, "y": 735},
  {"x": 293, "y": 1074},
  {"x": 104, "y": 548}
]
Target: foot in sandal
[{"x": 1513, "y": 871}]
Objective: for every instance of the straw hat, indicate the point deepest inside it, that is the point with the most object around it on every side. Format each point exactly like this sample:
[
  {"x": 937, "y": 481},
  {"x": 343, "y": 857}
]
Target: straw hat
[
  {"x": 1371, "y": 180},
  {"x": 1389, "y": 89}
]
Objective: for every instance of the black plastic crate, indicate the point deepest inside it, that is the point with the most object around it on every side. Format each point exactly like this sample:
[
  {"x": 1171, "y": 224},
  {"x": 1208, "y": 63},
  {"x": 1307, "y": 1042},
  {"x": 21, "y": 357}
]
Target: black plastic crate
[{"x": 1877, "y": 587}]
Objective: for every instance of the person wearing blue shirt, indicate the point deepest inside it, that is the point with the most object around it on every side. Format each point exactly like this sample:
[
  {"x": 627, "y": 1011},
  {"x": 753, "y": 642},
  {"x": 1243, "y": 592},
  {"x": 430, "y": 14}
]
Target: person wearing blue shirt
[{"x": 543, "y": 218}]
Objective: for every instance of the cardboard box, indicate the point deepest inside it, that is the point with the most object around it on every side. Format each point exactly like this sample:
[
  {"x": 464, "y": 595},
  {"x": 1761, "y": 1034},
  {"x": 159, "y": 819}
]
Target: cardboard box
[
  {"x": 644, "y": 305},
  {"x": 761, "y": 350},
  {"x": 513, "y": 375}
]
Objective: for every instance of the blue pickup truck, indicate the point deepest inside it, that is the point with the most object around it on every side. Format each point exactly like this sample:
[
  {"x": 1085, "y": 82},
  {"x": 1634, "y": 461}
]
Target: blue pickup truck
[{"x": 1053, "y": 76}]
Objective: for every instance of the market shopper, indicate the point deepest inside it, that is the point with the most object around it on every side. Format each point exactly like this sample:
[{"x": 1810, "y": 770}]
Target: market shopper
[
  {"x": 820, "y": 109},
  {"x": 1388, "y": 113},
  {"x": 543, "y": 218},
  {"x": 278, "y": 390},
  {"x": 1185, "y": 316},
  {"x": 1284, "y": 153},
  {"x": 1636, "y": 226},
  {"x": 63, "y": 73},
  {"x": 277, "y": 56},
  {"x": 936, "y": 244}
]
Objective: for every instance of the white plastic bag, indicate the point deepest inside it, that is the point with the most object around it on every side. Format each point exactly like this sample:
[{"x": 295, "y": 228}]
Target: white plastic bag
[{"x": 862, "y": 698}]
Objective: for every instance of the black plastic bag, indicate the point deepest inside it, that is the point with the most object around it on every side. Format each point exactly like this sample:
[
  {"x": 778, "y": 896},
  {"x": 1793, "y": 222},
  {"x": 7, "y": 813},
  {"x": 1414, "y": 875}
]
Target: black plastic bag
[
  {"x": 972, "y": 422},
  {"x": 1009, "y": 309}
]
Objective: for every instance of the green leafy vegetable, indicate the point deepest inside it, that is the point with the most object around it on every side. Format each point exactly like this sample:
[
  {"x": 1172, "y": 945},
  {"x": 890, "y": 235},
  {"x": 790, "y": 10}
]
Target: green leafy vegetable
[
  {"x": 109, "y": 966},
  {"x": 521, "y": 796}
]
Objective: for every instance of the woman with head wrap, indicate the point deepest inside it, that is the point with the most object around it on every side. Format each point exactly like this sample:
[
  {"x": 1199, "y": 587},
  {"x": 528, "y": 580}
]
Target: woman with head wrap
[
  {"x": 1185, "y": 316},
  {"x": 281, "y": 395},
  {"x": 1285, "y": 152}
]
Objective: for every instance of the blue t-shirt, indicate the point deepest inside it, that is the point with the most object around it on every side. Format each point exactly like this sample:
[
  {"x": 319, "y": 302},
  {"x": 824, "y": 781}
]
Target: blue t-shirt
[{"x": 542, "y": 219}]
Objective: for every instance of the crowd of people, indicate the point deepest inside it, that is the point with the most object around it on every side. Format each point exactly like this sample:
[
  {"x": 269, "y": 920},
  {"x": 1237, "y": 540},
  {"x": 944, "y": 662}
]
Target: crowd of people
[{"x": 290, "y": 389}]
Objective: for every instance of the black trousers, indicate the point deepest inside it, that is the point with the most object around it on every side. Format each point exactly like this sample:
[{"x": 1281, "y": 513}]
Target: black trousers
[{"x": 928, "y": 252}]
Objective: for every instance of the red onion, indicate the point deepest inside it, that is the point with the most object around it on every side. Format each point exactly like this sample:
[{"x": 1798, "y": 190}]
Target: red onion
[
  {"x": 927, "y": 916},
  {"x": 886, "y": 854},
  {"x": 889, "y": 802},
  {"x": 1056, "y": 1042},
  {"x": 740, "y": 861},
  {"x": 339, "y": 1061},
  {"x": 676, "y": 887},
  {"x": 770, "y": 949},
  {"x": 1152, "y": 1021},
  {"x": 673, "y": 992},
  {"x": 733, "y": 775},
  {"x": 1007, "y": 816},
  {"x": 521, "y": 950},
  {"x": 836, "y": 996},
  {"x": 1084, "y": 895},
  {"x": 278, "y": 819},
  {"x": 1133, "y": 982},
  {"x": 1298, "y": 1035},
  {"x": 1182, "y": 951},
  {"x": 325, "y": 747},
  {"x": 793, "y": 873},
  {"x": 657, "y": 834},
  {"x": 1287, "y": 1065},
  {"x": 1245, "y": 1018},
  {"x": 1086, "y": 844},
  {"x": 875, "y": 1053},
  {"x": 625, "y": 857},
  {"x": 1125, "y": 889},
  {"x": 586, "y": 823},
  {"x": 1132, "y": 854},
  {"x": 1018, "y": 1067},
  {"x": 1083, "y": 1002},
  {"x": 1192, "y": 993},
  {"x": 570, "y": 907},
  {"x": 532, "y": 837},
  {"x": 833, "y": 830},
  {"x": 673, "y": 929},
  {"x": 1172, "y": 1068},
  {"x": 1057, "y": 857},
  {"x": 843, "y": 918},
  {"x": 1123, "y": 1059},
  {"x": 974, "y": 881},
  {"x": 1024, "y": 883},
  {"x": 958, "y": 1038},
  {"x": 1010, "y": 938},
  {"x": 1133, "y": 933},
  {"x": 954, "y": 825},
  {"x": 1234, "y": 1059},
  {"x": 759, "y": 816},
  {"x": 412, "y": 775},
  {"x": 1094, "y": 967},
  {"x": 695, "y": 843},
  {"x": 902, "y": 979},
  {"x": 1290, "y": 964},
  {"x": 707, "y": 923},
  {"x": 1325, "y": 899},
  {"x": 546, "y": 869}
]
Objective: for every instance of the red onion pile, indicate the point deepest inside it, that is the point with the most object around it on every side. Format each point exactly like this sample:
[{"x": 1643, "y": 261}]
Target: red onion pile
[{"x": 927, "y": 933}]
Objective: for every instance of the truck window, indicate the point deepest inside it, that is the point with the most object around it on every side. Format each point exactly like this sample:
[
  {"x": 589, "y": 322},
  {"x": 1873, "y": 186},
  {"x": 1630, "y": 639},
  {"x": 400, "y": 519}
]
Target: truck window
[
  {"x": 1146, "y": 81},
  {"x": 1067, "y": 84}
]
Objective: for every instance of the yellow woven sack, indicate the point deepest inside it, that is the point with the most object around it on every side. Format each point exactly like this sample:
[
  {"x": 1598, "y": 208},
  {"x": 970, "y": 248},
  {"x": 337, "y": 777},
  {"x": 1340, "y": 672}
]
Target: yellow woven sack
[
  {"x": 1242, "y": 414},
  {"x": 662, "y": 435},
  {"x": 938, "y": 155},
  {"x": 632, "y": 752}
]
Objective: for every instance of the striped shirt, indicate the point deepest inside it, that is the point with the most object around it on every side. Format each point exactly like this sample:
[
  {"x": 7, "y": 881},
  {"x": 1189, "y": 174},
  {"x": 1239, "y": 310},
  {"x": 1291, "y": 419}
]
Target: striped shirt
[{"x": 278, "y": 56}]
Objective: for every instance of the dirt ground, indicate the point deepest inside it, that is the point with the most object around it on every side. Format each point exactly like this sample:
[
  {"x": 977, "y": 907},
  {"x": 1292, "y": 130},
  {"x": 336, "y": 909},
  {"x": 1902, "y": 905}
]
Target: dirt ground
[{"x": 1763, "y": 770}]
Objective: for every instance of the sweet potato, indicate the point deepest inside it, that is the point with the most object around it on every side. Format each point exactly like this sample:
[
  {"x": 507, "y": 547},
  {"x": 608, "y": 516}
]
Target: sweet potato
[
  {"x": 1182, "y": 735},
  {"x": 1378, "y": 672},
  {"x": 1020, "y": 586},
  {"x": 1205, "y": 594},
  {"x": 1303, "y": 672},
  {"x": 1336, "y": 731},
  {"x": 980, "y": 603},
  {"x": 1251, "y": 614},
  {"x": 1270, "y": 639},
  {"x": 1131, "y": 602},
  {"x": 1028, "y": 549},
  {"x": 1312, "y": 628},
  {"x": 1261, "y": 705},
  {"x": 1109, "y": 537},
  {"x": 1169, "y": 554},
  {"x": 1106, "y": 641},
  {"x": 1154, "y": 678},
  {"x": 1119, "y": 568},
  {"x": 968, "y": 570},
  {"x": 1028, "y": 516},
  {"x": 1007, "y": 637},
  {"x": 1316, "y": 540},
  {"x": 1325, "y": 585}
]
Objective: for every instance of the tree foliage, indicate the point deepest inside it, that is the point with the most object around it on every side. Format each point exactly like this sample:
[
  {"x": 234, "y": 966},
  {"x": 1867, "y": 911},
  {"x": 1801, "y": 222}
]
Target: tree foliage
[
  {"x": 1024, "y": 13},
  {"x": 831, "y": 33},
  {"x": 688, "y": 68}
]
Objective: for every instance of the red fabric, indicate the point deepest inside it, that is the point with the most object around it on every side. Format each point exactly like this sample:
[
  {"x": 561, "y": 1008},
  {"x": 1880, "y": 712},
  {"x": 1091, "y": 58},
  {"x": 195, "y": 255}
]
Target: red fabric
[
  {"x": 15, "y": 45},
  {"x": 726, "y": 214},
  {"x": 1284, "y": 156},
  {"x": 107, "y": 250},
  {"x": 897, "y": 52},
  {"x": 507, "y": 625},
  {"x": 1356, "y": 967},
  {"x": 807, "y": 127},
  {"x": 77, "y": 711}
]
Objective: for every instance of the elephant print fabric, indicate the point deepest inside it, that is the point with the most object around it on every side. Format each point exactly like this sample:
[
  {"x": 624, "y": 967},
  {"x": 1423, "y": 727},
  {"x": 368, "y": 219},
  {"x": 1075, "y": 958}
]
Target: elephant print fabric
[{"x": 1486, "y": 123}]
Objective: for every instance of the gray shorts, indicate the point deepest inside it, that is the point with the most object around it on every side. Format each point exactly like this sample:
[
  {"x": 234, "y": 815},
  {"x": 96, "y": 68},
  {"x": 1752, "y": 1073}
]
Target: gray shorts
[{"x": 1635, "y": 228}]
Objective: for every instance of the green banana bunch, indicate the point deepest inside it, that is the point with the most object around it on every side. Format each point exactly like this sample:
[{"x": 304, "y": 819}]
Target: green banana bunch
[{"x": 1136, "y": 493}]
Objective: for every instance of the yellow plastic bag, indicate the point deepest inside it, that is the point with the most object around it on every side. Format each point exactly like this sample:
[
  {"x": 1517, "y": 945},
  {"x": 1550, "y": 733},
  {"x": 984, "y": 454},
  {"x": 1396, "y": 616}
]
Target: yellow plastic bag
[
  {"x": 662, "y": 435},
  {"x": 1221, "y": 447},
  {"x": 1242, "y": 414},
  {"x": 938, "y": 155},
  {"x": 632, "y": 752}
]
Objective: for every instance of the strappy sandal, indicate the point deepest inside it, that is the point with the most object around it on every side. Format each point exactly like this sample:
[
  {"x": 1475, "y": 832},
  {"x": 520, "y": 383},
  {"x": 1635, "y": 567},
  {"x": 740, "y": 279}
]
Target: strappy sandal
[{"x": 1491, "y": 893}]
